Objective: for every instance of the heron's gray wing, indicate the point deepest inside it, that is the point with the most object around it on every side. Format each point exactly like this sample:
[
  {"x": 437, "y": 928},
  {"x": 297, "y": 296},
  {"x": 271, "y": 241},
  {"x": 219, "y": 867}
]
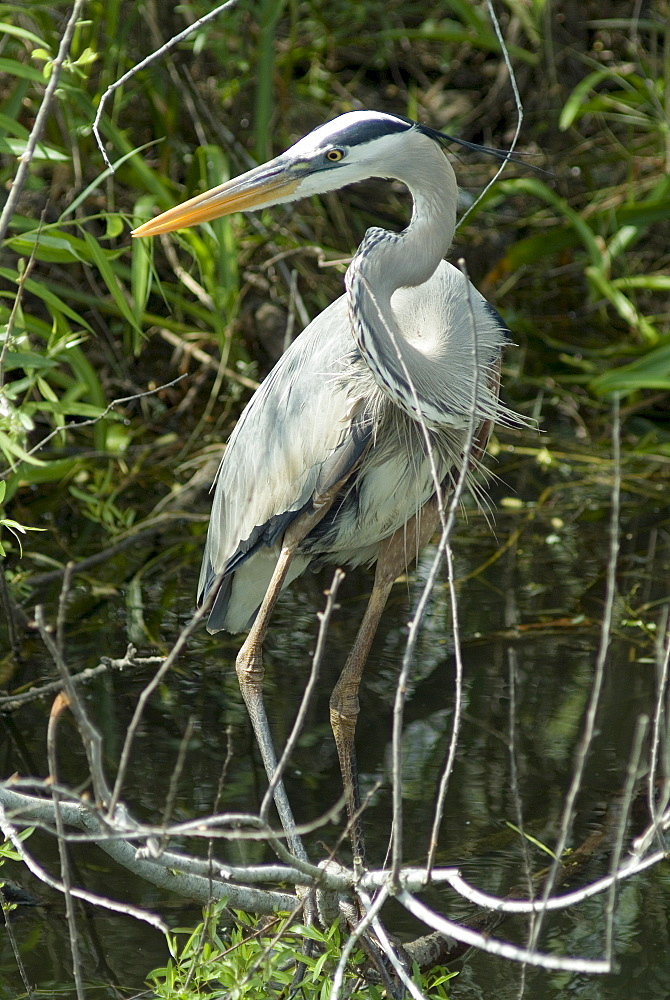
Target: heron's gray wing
[{"x": 300, "y": 433}]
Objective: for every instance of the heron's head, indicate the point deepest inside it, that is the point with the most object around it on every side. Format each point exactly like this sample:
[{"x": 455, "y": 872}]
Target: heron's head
[{"x": 350, "y": 148}]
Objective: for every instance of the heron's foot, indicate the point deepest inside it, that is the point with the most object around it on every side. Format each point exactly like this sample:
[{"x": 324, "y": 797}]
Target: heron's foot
[
  {"x": 379, "y": 967},
  {"x": 249, "y": 667},
  {"x": 343, "y": 724}
]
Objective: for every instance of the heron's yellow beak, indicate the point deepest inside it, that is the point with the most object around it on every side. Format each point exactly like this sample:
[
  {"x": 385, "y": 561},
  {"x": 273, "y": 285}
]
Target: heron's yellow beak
[{"x": 268, "y": 184}]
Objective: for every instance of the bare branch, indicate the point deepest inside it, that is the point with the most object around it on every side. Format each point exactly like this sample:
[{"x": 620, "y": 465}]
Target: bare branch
[
  {"x": 624, "y": 816},
  {"x": 658, "y": 804},
  {"x": 458, "y": 711},
  {"x": 90, "y": 736},
  {"x": 186, "y": 632},
  {"x": 9, "y": 930},
  {"x": 357, "y": 932},
  {"x": 89, "y": 897},
  {"x": 495, "y": 947},
  {"x": 58, "y": 706},
  {"x": 203, "y": 358},
  {"x": 11, "y": 702},
  {"x": 164, "y": 872},
  {"x": 390, "y": 952}
]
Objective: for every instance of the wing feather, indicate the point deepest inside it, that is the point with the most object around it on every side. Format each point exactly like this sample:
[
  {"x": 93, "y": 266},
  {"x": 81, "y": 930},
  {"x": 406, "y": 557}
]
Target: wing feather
[{"x": 300, "y": 433}]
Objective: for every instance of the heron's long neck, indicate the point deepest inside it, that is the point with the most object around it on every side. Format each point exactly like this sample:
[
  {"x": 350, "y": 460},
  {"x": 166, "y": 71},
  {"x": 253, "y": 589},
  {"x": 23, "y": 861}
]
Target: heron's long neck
[{"x": 388, "y": 261}]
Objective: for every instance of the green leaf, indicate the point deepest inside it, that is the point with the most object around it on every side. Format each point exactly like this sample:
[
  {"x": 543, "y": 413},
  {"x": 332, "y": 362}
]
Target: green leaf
[
  {"x": 28, "y": 362},
  {"x": 6, "y": 28},
  {"x": 573, "y": 105},
  {"x": 114, "y": 226},
  {"x": 53, "y": 301},
  {"x": 533, "y": 248},
  {"x": 133, "y": 153},
  {"x": 10, "y": 125},
  {"x": 537, "y": 189},
  {"x": 15, "y": 526},
  {"x": 621, "y": 303},
  {"x": 17, "y": 147},
  {"x": 53, "y": 471},
  {"x": 644, "y": 213},
  {"x": 140, "y": 268},
  {"x": 650, "y": 282},
  {"x": 73, "y": 408},
  {"x": 51, "y": 247},
  {"x": 11, "y": 448},
  {"x": 113, "y": 285},
  {"x": 530, "y": 839},
  {"x": 13, "y": 68},
  {"x": 652, "y": 371}
]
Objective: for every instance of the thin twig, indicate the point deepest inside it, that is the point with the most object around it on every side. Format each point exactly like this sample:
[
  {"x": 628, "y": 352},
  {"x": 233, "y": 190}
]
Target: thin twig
[
  {"x": 519, "y": 114},
  {"x": 352, "y": 941},
  {"x": 149, "y": 689},
  {"x": 10, "y": 611},
  {"x": 11, "y": 702},
  {"x": 62, "y": 610},
  {"x": 211, "y": 863},
  {"x": 408, "y": 658},
  {"x": 157, "y": 54},
  {"x": 8, "y": 913},
  {"x": 52, "y": 757},
  {"x": 624, "y": 816},
  {"x": 324, "y": 623},
  {"x": 599, "y": 672},
  {"x": 40, "y": 121},
  {"x": 78, "y": 424},
  {"x": 175, "y": 776},
  {"x": 89, "y": 897},
  {"x": 511, "y": 616},
  {"x": 90, "y": 736},
  {"x": 390, "y": 952},
  {"x": 401, "y": 685},
  {"x": 566, "y": 901},
  {"x": 458, "y": 710},
  {"x": 203, "y": 358},
  {"x": 137, "y": 538},
  {"x": 16, "y": 307},
  {"x": 493, "y": 946},
  {"x": 657, "y": 807}
]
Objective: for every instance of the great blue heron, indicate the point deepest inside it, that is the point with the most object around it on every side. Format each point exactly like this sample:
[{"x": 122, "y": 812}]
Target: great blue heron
[{"x": 342, "y": 453}]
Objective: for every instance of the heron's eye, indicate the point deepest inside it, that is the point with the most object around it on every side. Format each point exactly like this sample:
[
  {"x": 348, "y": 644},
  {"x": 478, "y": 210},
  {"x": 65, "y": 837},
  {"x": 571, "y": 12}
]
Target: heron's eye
[{"x": 334, "y": 155}]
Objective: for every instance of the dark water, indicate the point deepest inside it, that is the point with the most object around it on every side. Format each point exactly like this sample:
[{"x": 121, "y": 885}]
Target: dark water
[{"x": 530, "y": 625}]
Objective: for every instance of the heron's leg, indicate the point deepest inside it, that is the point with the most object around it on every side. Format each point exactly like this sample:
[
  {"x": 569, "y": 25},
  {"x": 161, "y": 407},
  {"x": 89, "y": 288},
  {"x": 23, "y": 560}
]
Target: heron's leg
[
  {"x": 249, "y": 662},
  {"x": 395, "y": 553},
  {"x": 250, "y": 673},
  {"x": 344, "y": 708}
]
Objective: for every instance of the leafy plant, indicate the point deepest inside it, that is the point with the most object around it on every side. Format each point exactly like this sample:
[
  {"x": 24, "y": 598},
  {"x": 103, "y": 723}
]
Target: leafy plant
[
  {"x": 11, "y": 525},
  {"x": 9, "y": 853},
  {"x": 246, "y": 960}
]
